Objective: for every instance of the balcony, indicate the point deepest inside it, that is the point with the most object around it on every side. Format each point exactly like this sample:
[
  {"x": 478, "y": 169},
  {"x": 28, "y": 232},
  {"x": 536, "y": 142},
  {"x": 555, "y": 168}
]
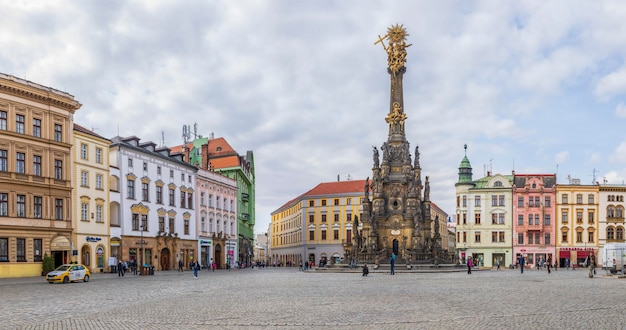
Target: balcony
[
  {"x": 245, "y": 197},
  {"x": 245, "y": 216}
]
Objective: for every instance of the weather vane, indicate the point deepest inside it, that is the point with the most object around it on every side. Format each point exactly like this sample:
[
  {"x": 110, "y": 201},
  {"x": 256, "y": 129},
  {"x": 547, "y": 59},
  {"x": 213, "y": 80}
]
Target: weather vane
[{"x": 396, "y": 50}]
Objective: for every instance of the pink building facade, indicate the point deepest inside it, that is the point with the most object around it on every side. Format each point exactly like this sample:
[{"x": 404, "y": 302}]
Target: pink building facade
[{"x": 534, "y": 218}]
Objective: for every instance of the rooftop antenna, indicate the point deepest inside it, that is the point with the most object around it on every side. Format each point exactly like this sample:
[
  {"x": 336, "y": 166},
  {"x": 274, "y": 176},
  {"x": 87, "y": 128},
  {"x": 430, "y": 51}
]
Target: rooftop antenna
[
  {"x": 186, "y": 134},
  {"x": 594, "y": 176},
  {"x": 163, "y": 139},
  {"x": 349, "y": 177},
  {"x": 195, "y": 130}
]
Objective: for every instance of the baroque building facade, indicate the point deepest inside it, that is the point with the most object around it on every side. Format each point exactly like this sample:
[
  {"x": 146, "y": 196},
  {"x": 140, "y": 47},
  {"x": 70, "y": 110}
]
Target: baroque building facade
[
  {"x": 611, "y": 224},
  {"x": 91, "y": 199},
  {"x": 317, "y": 226},
  {"x": 36, "y": 136},
  {"x": 153, "y": 218}
]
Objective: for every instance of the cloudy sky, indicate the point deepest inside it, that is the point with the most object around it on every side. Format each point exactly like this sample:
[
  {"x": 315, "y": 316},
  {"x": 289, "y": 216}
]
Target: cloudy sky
[{"x": 530, "y": 86}]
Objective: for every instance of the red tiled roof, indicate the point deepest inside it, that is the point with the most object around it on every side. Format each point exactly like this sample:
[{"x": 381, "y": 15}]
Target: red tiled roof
[
  {"x": 224, "y": 162},
  {"x": 90, "y": 132},
  {"x": 338, "y": 187}
]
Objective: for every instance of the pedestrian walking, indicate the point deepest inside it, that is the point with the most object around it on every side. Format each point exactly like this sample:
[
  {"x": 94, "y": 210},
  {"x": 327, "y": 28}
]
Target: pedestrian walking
[
  {"x": 591, "y": 264},
  {"x": 366, "y": 270},
  {"x": 566, "y": 263},
  {"x": 392, "y": 262},
  {"x": 120, "y": 268},
  {"x": 549, "y": 263},
  {"x": 470, "y": 264},
  {"x": 521, "y": 262},
  {"x": 195, "y": 266},
  {"x": 180, "y": 265},
  {"x": 213, "y": 266}
]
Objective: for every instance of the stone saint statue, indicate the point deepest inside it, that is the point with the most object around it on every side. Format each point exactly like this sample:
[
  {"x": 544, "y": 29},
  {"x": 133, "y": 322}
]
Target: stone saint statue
[{"x": 376, "y": 157}]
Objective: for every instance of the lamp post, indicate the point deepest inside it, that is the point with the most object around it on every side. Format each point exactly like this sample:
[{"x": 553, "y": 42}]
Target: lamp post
[{"x": 142, "y": 249}]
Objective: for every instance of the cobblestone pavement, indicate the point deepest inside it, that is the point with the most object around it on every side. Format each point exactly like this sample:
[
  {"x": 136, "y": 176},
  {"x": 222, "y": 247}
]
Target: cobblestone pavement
[{"x": 284, "y": 298}]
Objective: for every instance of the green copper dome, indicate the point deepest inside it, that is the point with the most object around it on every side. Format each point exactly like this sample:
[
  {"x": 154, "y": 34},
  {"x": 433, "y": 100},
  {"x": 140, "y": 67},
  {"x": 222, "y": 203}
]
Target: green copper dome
[{"x": 465, "y": 169}]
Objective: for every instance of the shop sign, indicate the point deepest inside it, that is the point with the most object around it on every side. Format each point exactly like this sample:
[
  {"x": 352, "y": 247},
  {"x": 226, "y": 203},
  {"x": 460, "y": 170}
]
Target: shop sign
[
  {"x": 93, "y": 239},
  {"x": 205, "y": 242},
  {"x": 577, "y": 249}
]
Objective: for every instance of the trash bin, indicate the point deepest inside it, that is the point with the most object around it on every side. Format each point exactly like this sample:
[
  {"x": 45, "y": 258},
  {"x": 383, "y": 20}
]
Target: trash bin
[
  {"x": 144, "y": 270},
  {"x": 151, "y": 270}
]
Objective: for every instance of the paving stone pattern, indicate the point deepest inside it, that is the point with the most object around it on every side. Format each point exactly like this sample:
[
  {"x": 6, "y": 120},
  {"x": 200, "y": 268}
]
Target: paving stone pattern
[{"x": 284, "y": 298}]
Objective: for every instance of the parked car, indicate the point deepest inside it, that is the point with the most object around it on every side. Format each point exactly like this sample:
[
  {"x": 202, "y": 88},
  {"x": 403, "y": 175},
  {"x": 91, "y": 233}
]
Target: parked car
[{"x": 68, "y": 273}]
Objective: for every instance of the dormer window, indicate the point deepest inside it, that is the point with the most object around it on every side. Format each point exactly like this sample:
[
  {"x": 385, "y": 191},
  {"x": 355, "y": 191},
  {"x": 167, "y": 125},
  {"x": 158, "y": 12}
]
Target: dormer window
[{"x": 497, "y": 184}]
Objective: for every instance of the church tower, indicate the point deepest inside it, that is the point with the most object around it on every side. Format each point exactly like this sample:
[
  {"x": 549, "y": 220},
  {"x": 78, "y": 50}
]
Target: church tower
[{"x": 397, "y": 216}]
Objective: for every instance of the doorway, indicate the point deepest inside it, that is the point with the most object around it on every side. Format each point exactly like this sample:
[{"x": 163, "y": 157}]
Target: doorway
[
  {"x": 165, "y": 259},
  {"x": 218, "y": 255},
  {"x": 395, "y": 246}
]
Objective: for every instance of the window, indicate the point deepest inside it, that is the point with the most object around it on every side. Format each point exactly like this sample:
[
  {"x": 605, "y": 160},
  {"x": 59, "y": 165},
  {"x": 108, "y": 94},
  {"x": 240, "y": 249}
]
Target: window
[
  {"x": 145, "y": 193},
  {"x": 190, "y": 201},
  {"x": 84, "y": 211},
  {"x": 144, "y": 222},
  {"x": 477, "y": 201},
  {"x": 497, "y": 218},
  {"x": 564, "y": 199},
  {"x": 537, "y": 238},
  {"x": 311, "y": 218},
  {"x": 84, "y": 181},
  {"x": 58, "y": 169},
  {"x": 590, "y": 199},
  {"x": 497, "y": 184},
  {"x": 172, "y": 225},
  {"x": 610, "y": 233},
  {"x": 564, "y": 217},
  {"x": 579, "y": 217},
  {"x": 58, "y": 133},
  {"x": 530, "y": 238},
  {"x": 3, "y": 120},
  {"x": 590, "y": 237},
  {"x": 20, "y": 162},
  {"x": 158, "y": 170},
  {"x": 311, "y": 203},
  {"x": 520, "y": 201},
  {"x": 520, "y": 238},
  {"x": 501, "y": 200},
  {"x": 494, "y": 200},
  {"x": 546, "y": 219},
  {"x": 349, "y": 201},
  {"x": 145, "y": 166},
  {"x": 37, "y": 127},
  {"x": 323, "y": 202},
  {"x": 21, "y": 206},
  {"x": 19, "y": 124},
  {"x": 183, "y": 199},
  {"x": 21, "y": 249},
  {"x": 171, "y": 173},
  {"x": 98, "y": 213},
  {"x": 162, "y": 224},
  {"x": 564, "y": 236},
  {"x": 465, "y": 218},
  {"x": 4, "y": 205},
  {"x": 520, "y": 219},
  {"x": 99, "y": 155},
  {"x": 4, "y": 249},
  {"x": 135, "y": 221},
  {"x": 323, "y": 217},
  {"x": 501, "y": 237},
  {"x": 619, "y": 234},
  {"x": 130, "y": 185},
  {"x": 171, "y": 196},
  {"x": 312, "y": 235},
  {"x": 349, "y": 217},
  {"x": 336, "y": 234},
  {"x": 159, "y": 195},
  {"x": 37, "y": 207},
  {"x": 37, "y": 247},
  {"x": 83, "y": 151},
  {"x": 547, "y": 201},
  {"x": 579, "y": 237},
  {"x": 464, "y": 201},
  {"x": 477, "y": 237},
  {"x": 579, "y": 198},
  {"x": 546, "y": 238},
  {"x": 336, "y": 217},
  {"x": 494, "y": 236},
  {"x": 58, "y": 209},
  {"x": 537, "y": 219},
  {"x": 336, "y": 201},
  {"x": 477, "y": 218},
  {"x": 99, "y": 181},
  {"x": 130, "y": 162},
  {"x": 37, "y": 165},
  {"x": 186, "y": 227},
  {"x": 530, "y": 219},
  {"x": 619, "y": 212},
  {"x": 3, "y": 160},
  {"x": 323, "y": 235}
]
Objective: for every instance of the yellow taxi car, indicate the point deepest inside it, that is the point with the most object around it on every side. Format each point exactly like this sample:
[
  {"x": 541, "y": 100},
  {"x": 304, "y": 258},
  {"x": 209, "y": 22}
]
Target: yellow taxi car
[{"x": 68, "y": 273}]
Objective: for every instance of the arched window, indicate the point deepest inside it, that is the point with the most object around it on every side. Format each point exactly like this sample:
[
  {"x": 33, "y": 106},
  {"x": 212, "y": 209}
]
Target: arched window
[
  {"x": 610, "y": 211},
  {"x": 610, "y": 233},
  {"x": 619, "y": 212},
  {"x": 619, "y": 234},
  {"x": 497, "y": 184}
]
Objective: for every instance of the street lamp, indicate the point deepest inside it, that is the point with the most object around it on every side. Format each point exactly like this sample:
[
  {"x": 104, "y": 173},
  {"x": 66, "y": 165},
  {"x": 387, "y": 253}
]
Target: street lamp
[{"x": 142, "y": 249}]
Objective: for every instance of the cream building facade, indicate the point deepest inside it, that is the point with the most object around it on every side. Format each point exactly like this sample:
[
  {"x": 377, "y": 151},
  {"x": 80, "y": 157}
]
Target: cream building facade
[
  {"x": 611, "y": 214},
  {"x": 91, "y": 199},
  {"x": 36, "y": 136}
]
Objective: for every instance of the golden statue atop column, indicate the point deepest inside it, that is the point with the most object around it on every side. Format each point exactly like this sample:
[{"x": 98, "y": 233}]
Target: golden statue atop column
[{"x": 396, "y": 50}]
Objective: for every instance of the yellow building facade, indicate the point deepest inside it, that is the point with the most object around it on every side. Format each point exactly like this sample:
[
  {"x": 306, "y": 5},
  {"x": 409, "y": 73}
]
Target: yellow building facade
[
  {"x": 577, "y": 231},
  {"x": 36, "y": 136},
  {"x": 91, "y": 199}
]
